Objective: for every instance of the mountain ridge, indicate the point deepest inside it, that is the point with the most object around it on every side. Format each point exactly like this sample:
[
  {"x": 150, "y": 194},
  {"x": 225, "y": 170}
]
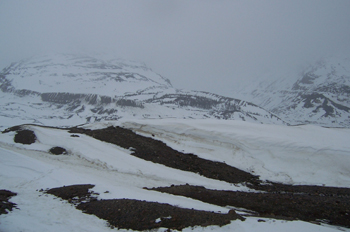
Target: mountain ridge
[{"x": 72, "y": 89}]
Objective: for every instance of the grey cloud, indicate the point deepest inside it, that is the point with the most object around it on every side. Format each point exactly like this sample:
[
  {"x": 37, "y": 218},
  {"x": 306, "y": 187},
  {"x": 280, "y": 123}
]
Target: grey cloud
[{"x": 203, "y": 45}]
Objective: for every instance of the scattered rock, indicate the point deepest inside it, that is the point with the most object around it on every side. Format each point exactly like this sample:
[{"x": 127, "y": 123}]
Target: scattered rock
[
  {"x": 5, "y": 205},
  {"x": 74, "y": 136},
  {"x": 291, "y": 205},
  {"x": 58, "y": 151}
]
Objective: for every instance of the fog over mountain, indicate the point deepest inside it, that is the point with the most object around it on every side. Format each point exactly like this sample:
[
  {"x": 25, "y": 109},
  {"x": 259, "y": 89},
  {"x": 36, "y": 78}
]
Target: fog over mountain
[
  {"x": 199, "y": 45},
  {"x": 319, "y": 94},
  {"x": 177, "y": 115}
]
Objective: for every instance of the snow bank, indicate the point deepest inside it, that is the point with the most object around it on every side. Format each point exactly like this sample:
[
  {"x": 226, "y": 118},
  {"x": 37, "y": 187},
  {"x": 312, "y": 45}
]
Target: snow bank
[{"x": 295, "y": 155}]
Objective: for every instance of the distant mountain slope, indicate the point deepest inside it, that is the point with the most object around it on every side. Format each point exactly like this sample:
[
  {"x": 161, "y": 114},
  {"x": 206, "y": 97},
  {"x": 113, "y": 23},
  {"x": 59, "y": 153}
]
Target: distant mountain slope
[
  {"x": 318, "y": 95},
  {"x": 80, "y": 74},
  {"x": 70, "y": 89}
]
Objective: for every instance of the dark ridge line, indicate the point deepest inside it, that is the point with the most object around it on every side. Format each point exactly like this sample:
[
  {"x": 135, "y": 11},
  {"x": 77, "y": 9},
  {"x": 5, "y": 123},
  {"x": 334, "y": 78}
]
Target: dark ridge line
[
  {"x": 273, "y": 187},
  {"x": 20, "y": 127}
]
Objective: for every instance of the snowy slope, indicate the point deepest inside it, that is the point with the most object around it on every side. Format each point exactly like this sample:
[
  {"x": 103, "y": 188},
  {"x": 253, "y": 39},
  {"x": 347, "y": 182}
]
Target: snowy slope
[
  {"x": 268, "y": 150},
  {"x": 303, "y": 154}
]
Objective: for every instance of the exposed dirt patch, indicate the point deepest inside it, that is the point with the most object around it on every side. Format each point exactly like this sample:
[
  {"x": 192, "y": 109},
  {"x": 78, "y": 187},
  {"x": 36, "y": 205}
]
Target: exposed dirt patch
[
  {"x": 158, "y": 152},
  {"x": 5, "y": 204},
  {"x": 58, "y": 151},
  {"x": 74, "y": 193},
  {"x": 319, "y": 204},
  {"x": 139, "y": 215},
  {"x": 25, "y": 137},
  {"x": 143, "y": 215}
]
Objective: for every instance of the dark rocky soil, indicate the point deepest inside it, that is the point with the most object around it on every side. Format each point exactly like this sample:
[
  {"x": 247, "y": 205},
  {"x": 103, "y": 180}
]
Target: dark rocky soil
[
  {"x": 273, "y": 187},
  {"x": 74, "y": 193},
  {"x": 25, "y": 137},
  {"x": 158, "y": 152},
  {"x": 5, "y": 204},
  {"x": 276, "y": 200},
  {"x": 308, "y": 203},
  {"x": 58, "y": 151},
  {"x": 139, "y": 215},
  {"x": 329, "y": 204}
]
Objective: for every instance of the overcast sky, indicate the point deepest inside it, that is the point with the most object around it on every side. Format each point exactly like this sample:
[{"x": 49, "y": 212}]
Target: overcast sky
[{"x": 200, "y": 45}]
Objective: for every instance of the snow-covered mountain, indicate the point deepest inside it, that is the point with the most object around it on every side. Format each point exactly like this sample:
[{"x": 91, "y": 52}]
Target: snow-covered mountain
[
  {"x": 320, "y": 94},
  {"x": 65, "y": 89},
  {"x": 172, "y": 174}
]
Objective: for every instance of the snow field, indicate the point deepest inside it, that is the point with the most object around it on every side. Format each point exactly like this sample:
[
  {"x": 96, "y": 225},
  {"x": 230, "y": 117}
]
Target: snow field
[{"x": 275, "y": 152}]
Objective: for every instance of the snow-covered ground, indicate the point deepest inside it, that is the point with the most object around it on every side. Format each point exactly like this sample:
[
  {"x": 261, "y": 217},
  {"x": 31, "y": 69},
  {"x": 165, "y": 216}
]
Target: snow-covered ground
[
  {"x": 295, "y": 155},
  {"x": 291, "y": 154}
]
